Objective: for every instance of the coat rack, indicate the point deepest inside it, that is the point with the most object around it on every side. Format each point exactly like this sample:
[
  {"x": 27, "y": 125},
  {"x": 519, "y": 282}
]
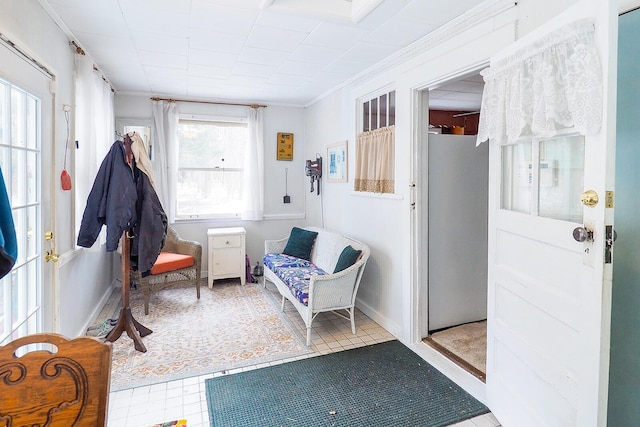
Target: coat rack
[{"x": 126, "y": 322}]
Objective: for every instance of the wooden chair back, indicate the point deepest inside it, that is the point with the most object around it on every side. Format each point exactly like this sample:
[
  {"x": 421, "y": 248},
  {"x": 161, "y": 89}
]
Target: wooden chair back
[{"x": 61, "y": 383}]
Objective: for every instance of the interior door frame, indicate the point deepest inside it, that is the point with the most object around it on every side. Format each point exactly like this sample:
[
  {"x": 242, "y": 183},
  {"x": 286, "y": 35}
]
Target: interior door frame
[{"x": 419, "y": 234}]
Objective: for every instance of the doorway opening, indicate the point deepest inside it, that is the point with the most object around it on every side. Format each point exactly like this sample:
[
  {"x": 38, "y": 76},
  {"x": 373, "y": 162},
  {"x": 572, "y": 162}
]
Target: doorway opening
[{"x": 456, "y": 221}]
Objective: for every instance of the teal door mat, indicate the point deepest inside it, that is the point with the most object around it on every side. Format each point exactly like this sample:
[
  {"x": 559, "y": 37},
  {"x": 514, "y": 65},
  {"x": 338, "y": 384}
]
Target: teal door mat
[{"x": 382, "y": 385}]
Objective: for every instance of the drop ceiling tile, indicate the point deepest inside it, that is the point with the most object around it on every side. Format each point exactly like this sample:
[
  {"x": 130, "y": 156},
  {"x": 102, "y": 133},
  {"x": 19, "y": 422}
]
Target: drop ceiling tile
[
  {"x": 291, "y": 79},
  {"x": 209, "y": 71},
  {"x": 398, "y": 32},
  {"x": 330, "y": 35},
  {"x": 141, "y": 8},
  {"x": 206, "y": 82},
  {"x": 102, "y": 21},
  {"x": 316, "y": 54},
  {"x": 300, "y": 68},
  {"x": 344, "y": 67},
  {"x": 369, "y": 53},
  {"x": 163, "y": 60},
  {"x": 462, "y": 96},
  {"x": 253, "y": 70},
  {"x": 263, "y": 56},
  {"x": 162, "y": 17},
  {"x": 156, "y": 74},
  {"x": 105, "y": 42},
  {"x": 215, "y": 41},
  {"x": 272, "y": 38},
  {"x": 215, "y": 17},
  {"x": 152, "y": 42},
  {"x": 436, "y": 12},
  {"x": 218, "y": 59},
  {"x": 290, "y": 21}
]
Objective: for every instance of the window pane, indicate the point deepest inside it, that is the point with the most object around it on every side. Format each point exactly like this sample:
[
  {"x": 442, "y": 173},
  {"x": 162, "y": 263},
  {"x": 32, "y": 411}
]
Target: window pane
[
  {"x": 18, "y": 177},
  {"x": 4, "y": 117},
  {"x": 211, "y": 144},
  {"x": 32, "y": 122},
  {"x": 33, "y": 176},
  {"x": 18, "y": 118},
  {"x": 365, "y": 117},
  {"x": 392, "y": 108},
  {"x": 383, "y": 111},
  {"x": 374, "y": 114},
  {"x": 561, "y": 178},
  {"x": 516, "y": 177},
  {"x": 209, "y": 192}
]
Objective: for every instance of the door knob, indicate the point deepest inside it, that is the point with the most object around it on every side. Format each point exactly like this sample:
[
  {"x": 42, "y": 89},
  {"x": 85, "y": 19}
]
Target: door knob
[
  {"x": 582, "y": 234},
  {"x": 589, "y": 198}
]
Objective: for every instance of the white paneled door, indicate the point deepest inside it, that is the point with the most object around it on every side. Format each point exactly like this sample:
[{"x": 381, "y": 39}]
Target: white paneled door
[
  {"x": 549, "y": 292},
  {"x": 26, "y": 293}
]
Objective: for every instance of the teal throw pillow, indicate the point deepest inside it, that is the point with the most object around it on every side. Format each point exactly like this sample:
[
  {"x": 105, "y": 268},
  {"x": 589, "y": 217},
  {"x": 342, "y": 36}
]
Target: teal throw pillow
[
  {"x": 347, "y": 258},
  {"x": 300, "y": 243}
]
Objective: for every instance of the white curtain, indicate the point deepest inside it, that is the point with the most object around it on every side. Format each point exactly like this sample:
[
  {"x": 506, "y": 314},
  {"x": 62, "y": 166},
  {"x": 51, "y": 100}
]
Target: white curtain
[
  {"x": 553, "y": 83},
  {"x": 94, "y": 128},
  {"x": 165, "y": 154},
  {"x": 253, "y": 180},
  {"x": 375, "y": 161}
]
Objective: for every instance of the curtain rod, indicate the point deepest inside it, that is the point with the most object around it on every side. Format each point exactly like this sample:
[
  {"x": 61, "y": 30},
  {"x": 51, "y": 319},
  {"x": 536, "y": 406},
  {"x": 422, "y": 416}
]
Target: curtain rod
[{"x": 209, "y": 102}]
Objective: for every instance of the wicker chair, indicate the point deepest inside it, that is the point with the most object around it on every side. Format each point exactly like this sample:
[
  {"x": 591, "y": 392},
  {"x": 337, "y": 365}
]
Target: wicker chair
[
  {"x": 66, "y": 384},
  {"x": 164, "y": 279}
]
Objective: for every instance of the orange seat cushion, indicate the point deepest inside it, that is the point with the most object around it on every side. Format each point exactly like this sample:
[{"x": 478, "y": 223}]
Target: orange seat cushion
[{"x": 168, "y": 261}]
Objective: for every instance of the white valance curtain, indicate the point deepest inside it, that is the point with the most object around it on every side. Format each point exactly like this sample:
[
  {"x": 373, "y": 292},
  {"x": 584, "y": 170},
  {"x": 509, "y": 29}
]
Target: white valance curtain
[
  {"x": 165, "y": 153},
  {"x": 554, "y": 83},
  {"x": 94, "y": 128},
  {"x": 253, "y": 179},
  {"x": 375, "y": 160}
]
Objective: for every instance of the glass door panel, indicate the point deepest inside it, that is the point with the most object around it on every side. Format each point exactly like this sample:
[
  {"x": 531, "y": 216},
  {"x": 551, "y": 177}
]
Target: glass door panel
[
  {"x": 561, "y": 178},
  {"x": 517, "y": 177}
]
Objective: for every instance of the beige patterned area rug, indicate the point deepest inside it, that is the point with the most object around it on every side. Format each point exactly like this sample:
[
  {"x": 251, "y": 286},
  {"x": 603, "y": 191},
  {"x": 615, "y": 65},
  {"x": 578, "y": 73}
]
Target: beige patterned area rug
[{"x": 231, "y": 326}]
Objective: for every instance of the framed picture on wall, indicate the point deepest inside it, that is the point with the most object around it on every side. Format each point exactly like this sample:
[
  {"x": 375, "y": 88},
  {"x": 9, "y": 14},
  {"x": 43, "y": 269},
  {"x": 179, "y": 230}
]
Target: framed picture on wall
[{"x": 337, "y": 162}]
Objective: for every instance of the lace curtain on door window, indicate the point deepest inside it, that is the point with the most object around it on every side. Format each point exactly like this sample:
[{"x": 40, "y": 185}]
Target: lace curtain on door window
[
  {"x": 551, "y": 84},
  {"x": 375, "y": 160}
]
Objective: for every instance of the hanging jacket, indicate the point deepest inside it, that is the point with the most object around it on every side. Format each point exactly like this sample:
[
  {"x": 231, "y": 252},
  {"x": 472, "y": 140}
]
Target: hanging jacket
[
  {"x": 111, "y": 201},
  {"x": 8, "y": 240},
  {"x": 150, "y": 230},
  {"x": 122, "y": 198}
]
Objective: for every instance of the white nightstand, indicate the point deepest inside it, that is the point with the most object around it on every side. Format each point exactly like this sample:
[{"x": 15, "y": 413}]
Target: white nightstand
[{"x": 226, "y": 253}]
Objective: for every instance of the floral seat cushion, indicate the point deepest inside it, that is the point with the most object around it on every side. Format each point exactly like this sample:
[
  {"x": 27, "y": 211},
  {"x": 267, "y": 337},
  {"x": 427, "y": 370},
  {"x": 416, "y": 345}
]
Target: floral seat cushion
[{"x": 296, "y": 273}]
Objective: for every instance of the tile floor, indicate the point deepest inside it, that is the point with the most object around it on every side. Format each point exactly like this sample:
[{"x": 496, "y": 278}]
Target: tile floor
[{"x": 186, "y": 398}]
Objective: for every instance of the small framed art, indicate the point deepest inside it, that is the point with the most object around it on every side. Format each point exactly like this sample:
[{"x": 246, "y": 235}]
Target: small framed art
[
  {"x": 337, "y": 162},
  {"x": 285, "y": 146}
]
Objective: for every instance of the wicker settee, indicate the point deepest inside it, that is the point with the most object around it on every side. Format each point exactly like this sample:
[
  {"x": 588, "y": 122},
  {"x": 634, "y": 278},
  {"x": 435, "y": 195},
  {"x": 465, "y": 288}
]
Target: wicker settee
[
  {"x": 168, "y": 276},
  {"x": 312, "y": 285}
]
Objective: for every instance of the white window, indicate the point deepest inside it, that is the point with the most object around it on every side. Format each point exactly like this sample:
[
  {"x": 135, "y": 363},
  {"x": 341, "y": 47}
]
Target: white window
[
  {"x": 379, "y": 112},
  {"x": 210, "y": 167}
]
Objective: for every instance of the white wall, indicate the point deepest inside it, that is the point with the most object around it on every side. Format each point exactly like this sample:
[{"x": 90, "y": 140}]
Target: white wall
[
  {"x": 84, "y": 276},
  {"x": 279, "y": 217}
]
